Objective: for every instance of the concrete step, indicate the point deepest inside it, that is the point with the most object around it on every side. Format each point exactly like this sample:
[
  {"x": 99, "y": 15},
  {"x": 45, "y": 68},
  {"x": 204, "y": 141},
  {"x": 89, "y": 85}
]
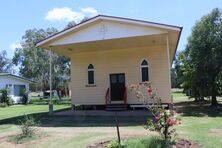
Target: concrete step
[{"x": 116, "y": 107}]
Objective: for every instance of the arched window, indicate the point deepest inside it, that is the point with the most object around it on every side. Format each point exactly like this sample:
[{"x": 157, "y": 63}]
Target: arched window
[
  {"x": 90, "y": 74},
  {"x": 145, "y": 71}
]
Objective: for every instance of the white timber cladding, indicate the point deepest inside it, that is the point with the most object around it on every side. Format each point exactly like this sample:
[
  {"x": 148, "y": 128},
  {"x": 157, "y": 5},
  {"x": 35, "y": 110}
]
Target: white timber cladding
[
  {"x": 114, "y": 19},
  {"x": 116, "y": 45},
  {"x": 126, "y": 61},
  {"x": 106, "y": 30}
]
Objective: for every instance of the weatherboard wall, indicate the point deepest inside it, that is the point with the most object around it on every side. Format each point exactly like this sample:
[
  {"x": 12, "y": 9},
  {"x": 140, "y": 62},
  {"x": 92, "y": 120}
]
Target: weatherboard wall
[{"x": 126, "y": 61}]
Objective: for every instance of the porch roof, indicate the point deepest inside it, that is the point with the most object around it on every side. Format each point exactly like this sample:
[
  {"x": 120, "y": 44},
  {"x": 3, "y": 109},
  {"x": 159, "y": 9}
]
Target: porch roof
[{"x": 109, "y": 32}]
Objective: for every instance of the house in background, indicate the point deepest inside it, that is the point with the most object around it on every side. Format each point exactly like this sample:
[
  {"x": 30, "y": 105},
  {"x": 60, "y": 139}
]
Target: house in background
[
  {"x": 108, "y": 53},
  {"x": 15, "y": 84}
]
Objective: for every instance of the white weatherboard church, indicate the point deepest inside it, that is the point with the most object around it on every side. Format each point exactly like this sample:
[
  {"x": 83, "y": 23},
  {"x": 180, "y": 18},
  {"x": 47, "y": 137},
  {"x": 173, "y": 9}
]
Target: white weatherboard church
[{"x": 108, "y": 52}]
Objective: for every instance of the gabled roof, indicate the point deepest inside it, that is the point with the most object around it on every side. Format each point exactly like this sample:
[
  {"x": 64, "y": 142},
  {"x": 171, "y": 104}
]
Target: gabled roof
[
  {"x": 111, "y": 18},
  {"x": 15, "y": 76}
]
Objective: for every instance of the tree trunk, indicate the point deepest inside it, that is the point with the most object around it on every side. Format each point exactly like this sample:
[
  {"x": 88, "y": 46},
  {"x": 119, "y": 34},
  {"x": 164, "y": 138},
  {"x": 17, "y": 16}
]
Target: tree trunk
[
  {"x": 214, "y": 100},
  {"x": 58, "y": 93}
]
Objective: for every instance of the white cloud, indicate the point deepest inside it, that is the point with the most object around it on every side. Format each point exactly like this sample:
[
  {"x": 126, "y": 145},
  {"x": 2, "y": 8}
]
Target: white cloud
[
  {"x": 89, "y": 11},
  {"x": 67, "y": 14},
  {"x": 15, "y": 45}
]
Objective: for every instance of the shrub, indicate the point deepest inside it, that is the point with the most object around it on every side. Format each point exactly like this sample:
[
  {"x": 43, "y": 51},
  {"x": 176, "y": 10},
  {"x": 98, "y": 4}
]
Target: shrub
[
  {"x": 24, "y": 95},
  {"x": 114, "y": 144},
  {"x": 28, "y": 132},
  {"x": 4, "y": 96},
  {"x": 163, "y": 119},
  {"x": 27, "y": 126},
  {"x": 11, "y": 101},
  {"x": 3, "y": 105}
]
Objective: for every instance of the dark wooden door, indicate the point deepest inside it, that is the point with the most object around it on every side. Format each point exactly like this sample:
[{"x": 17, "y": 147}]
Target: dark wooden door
[{"x": 117, "y": 86}]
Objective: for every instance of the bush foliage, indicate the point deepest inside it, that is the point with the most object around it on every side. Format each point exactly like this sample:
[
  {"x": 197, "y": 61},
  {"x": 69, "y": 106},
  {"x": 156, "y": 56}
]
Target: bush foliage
[
  {"x": 5, "y": 99},
  {"x": 163, "y": 120}
]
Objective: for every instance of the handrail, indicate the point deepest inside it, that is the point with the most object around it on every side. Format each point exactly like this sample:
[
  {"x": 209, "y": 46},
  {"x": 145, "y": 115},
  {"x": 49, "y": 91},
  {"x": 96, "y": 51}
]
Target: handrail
[
  {"x": 125, "y": 96},
  {"x": 107, "y": 97}
]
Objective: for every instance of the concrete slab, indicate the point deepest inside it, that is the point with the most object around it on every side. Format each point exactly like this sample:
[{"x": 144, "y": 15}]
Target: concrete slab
[{"x": 127, "y": 113}]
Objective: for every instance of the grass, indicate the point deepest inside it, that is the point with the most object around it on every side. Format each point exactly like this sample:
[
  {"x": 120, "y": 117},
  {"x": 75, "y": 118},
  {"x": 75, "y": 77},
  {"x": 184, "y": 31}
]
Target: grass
[
  {"x": 55, "y": 100},
  {"x": 178, "y": 96},
  {"x": 200, "y": 123},
  {"x": 147, "y": 142},
  {"x": 200, "y": 129},
  {"x": 18, "y": 139}
]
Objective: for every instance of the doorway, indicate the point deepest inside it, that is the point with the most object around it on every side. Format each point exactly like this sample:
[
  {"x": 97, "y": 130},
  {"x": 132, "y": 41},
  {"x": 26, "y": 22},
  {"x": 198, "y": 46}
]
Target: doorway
[{"x": 117, "y": 86}]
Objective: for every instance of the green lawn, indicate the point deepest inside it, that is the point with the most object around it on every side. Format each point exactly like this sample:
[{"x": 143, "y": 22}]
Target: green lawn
[
  {"x": 178, "y": 96},
  {"x": 200, "y": 123}
]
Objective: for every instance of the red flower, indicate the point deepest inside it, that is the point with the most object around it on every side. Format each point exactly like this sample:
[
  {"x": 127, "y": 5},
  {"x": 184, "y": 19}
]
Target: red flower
[{"x": 149, "y": 90}]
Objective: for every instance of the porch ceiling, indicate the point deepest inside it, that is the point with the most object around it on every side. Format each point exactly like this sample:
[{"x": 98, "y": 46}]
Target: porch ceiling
[{"x": 112, "y": 44}]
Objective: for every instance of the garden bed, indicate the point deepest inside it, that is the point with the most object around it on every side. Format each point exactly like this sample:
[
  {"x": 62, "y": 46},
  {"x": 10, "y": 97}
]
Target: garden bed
[{"x": 146, "y": 142}]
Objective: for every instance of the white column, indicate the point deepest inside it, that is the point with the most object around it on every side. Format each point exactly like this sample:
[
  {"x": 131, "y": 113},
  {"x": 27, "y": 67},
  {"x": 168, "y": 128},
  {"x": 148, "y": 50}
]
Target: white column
[
  {"x": 50, "y": 81},
  {"x": 169, "y": 64}
]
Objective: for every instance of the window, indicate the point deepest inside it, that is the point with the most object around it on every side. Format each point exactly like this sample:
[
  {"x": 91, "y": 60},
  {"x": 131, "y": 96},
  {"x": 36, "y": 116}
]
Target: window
[
  {"x": 90, "y": 74},
  {"x": 145, "y": 71},
  {"x": 18, "y": 89},
  {"x": 8, "y": 85}
]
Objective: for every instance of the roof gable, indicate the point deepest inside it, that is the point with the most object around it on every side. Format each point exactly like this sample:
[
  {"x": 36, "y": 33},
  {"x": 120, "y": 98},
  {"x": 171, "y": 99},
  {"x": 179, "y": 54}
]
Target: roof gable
[
  {"x": 105, "y": 30},
  {"x": 8, "y": 75},
  {"x": 139, "y": 23}
]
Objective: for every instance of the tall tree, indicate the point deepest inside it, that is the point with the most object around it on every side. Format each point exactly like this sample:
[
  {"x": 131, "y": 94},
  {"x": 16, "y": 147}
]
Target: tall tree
[
  {"x": 202, "y": 67},
  {"x": 34, "y": 61},
  {"x": 5, "y": 63}
]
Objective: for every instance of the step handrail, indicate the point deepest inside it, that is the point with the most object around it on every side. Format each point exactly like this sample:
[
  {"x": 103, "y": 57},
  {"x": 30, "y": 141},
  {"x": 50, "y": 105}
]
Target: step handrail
[
  {"x": 107, "y": 97},
  {"x": 125, "y": 95}
]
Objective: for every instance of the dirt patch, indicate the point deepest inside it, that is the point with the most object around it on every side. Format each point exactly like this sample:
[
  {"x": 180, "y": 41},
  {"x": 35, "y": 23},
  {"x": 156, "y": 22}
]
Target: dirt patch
[
  {"x": 216, "y": 132},
  {"x": 102, "y": 144},
  {"x": 180, "y": 144},
  {"x": 186, "y": 144},
  {"x": 58, "y": 133}
]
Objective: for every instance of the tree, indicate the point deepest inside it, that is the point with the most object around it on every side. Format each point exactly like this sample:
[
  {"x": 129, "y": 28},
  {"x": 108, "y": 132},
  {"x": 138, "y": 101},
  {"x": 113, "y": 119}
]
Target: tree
[
  {"x": 70, "y": 24},
  {"x": 73, "y": 23},
  {"x": 34, "y": 61},
  {"x": 5, "y": 63},
  {"x": 202, "y": 65}
]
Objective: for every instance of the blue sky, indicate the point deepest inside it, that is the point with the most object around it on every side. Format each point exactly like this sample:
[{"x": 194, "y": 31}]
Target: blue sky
[{"x": 18, "y": 16}]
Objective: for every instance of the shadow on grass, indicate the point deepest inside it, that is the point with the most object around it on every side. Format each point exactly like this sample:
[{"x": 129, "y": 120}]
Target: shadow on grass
[
  {"x": 36, "y": 116},
  {"x": 91, "y": 121},
  {"x": 198, "y": 109},
  {"x": 46, "y": 120}
]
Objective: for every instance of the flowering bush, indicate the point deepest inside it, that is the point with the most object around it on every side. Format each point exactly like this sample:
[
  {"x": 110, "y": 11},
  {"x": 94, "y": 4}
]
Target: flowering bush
[{"x": 163, "y": 120}]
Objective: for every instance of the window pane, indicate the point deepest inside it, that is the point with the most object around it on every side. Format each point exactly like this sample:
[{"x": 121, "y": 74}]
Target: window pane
[
  {"x": 121, "y": 79},
  {"x": 145, "y": 75},
  {"x": 90, "y": 66},
  {"x": 18, "y": 89},
  {"x": 90, "y": 77},
  {"x": 113, "y": 79},
  {"x": 144, "y": 63}
]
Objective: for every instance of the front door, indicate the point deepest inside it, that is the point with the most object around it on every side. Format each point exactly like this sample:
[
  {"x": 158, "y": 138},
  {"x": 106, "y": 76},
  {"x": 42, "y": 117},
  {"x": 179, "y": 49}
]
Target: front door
[{"x": 117, "y": 86}]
